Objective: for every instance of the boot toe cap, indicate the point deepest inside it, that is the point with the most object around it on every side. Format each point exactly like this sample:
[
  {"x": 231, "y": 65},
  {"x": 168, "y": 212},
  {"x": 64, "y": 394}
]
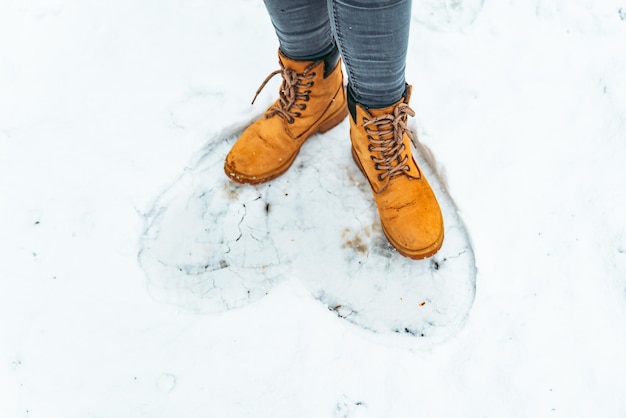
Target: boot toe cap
[
  {"x": 254, "y": 157},
  {"x": 413, "y": 223},
  {"x": 418, "y": 237}
]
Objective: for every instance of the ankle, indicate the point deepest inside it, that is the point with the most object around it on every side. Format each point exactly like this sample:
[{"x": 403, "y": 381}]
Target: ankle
[{"x": 330, "y": 56}]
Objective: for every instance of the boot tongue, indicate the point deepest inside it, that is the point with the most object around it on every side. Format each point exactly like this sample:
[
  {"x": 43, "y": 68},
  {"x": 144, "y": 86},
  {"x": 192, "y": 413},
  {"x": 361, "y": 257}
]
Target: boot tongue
[
  {"x": 297, "y": 66},
  {"x": 389, "y": 109}
]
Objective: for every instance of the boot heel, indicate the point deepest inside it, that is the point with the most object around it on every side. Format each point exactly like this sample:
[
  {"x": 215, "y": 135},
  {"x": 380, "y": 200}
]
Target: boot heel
[{"x": 333, "y": 121}]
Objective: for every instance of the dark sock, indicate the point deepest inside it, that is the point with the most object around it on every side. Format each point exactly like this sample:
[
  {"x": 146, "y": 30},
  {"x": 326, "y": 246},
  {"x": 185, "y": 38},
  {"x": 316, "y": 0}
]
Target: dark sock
[{"x": 330, "y": 58}]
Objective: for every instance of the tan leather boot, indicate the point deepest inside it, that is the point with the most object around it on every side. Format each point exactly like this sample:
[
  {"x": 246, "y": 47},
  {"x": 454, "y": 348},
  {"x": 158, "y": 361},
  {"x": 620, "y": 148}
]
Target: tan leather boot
[
  {"x": 312, "y": 99},
  {"x": 381, "y": 146}
]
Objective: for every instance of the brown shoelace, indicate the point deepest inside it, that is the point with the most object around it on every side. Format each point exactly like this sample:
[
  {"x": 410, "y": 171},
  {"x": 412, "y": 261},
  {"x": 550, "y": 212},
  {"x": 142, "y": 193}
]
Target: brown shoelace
[
  {"x": 290, "y": 92},
  {"x": 387, "y": 139}
]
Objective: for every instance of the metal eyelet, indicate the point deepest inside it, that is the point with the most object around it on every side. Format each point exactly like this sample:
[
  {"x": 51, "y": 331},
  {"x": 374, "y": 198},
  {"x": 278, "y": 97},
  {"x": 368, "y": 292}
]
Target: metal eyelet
[
  {"x": 380, "y": 177},
  {"x": 370, "y": 147}
]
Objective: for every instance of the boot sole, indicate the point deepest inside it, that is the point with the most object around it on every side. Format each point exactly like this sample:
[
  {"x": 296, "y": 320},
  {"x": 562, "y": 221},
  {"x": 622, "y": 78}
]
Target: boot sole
[
  {"x": 413, "y": 254},
  {"x": 325, "y": 126}
]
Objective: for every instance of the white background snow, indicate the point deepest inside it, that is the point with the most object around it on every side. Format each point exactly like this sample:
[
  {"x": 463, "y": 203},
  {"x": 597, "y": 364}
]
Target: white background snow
[{"x": 103, "y": 104}]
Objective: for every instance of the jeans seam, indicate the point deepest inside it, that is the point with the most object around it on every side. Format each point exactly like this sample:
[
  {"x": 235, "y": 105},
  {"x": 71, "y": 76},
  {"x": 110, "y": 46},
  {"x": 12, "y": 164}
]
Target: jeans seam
[{"x": 344, "y": 54}]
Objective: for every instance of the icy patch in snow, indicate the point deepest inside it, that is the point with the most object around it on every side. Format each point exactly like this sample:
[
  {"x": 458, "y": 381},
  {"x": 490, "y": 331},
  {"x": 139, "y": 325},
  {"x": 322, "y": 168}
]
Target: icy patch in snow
[
  {"x": 213, "y": 245},
  {"x": 208, "y": 247},
  {"x": 354, "y": 270}
]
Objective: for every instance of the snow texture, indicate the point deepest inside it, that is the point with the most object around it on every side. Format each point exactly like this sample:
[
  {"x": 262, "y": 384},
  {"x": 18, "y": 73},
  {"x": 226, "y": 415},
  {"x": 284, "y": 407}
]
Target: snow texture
[{"x": 108, "y": 107}]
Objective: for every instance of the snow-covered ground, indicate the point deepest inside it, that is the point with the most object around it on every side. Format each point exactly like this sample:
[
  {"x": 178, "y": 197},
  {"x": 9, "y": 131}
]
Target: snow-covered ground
[{"x": 104, "y": 104}]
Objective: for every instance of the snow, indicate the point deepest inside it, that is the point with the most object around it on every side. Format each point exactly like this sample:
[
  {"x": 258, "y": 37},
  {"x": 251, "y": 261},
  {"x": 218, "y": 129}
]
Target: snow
[{"x": 102, "y": 107}]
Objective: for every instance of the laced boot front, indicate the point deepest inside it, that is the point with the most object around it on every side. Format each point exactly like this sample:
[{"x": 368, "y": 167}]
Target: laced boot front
[
  {"x": 311, "y": 99},
  {"x": 381, "y": 146}
]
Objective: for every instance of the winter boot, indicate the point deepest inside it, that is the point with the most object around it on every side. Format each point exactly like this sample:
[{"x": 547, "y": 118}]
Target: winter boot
[
  {"x": 381, "y": 147},
  {"x": 312, "y": 99}
]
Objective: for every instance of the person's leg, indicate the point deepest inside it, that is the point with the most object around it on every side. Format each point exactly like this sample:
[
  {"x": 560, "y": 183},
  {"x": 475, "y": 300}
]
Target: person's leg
[
  {"x": 302, "y": 27},
  {"x": 373, "y": 38}
]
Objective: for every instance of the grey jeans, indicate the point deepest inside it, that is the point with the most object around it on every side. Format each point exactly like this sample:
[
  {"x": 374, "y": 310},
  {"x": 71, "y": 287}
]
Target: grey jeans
[{"x": 372, "y": 37}]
